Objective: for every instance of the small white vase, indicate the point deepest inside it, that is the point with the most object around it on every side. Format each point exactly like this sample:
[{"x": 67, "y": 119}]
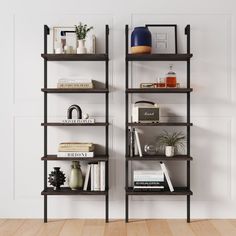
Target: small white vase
[
  {"x": 169, "y": 151},
  {"x": 81, "y": 47}
]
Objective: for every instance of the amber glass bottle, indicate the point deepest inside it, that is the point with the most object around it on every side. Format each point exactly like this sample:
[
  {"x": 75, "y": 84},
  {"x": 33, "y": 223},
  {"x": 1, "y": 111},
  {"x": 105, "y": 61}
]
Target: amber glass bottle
[{"x": 171, "y": 78}]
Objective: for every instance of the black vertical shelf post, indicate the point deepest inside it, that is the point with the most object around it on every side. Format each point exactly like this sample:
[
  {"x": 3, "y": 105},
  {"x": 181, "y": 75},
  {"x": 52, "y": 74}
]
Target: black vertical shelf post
[
  {"x": 187, "y": 32},
  {"x": 46, "y": 33},
  {"x": 107, "y": 118},
  {"x": 126, "y": 122}
]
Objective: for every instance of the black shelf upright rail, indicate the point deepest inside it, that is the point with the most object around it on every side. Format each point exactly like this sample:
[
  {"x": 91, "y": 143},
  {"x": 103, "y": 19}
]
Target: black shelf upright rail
[
  {"x": 126, "y": 123},
  {"x": 46, "y": 33},
  {"x": 187, "y": 32},
  {"x": 107, "y": 119}
]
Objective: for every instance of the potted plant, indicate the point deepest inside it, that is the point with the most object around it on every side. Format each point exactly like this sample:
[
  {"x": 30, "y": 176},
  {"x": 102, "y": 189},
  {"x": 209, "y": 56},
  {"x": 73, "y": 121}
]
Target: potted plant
[
  {"x": 171, "y": 142},
  {"x": 81, "y": 32}
]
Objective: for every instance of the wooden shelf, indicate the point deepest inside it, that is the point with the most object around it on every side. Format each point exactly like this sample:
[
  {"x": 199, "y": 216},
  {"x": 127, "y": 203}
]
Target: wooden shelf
[
  {"x": 75, "y": 57},
  {"x": 63, "y": 90},
  {"x": 55, "y": 158},
  {"x": 159, "y": 90},
  {"x": 74, "y": 124},
  {"x": 161, "y": 124},
  {"x": 160, "y": 158},
  {"x": 68, "y": 191},
  {"x": 178, "y": 191},
  {"x": 158, "y": 57}
]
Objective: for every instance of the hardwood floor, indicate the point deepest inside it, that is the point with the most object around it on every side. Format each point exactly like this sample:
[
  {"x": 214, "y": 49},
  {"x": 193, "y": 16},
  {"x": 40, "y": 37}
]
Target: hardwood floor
[{"x": 117, "y": 228}]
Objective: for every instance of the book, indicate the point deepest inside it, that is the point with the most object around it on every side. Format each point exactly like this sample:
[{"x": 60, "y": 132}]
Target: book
[
  {"x": 76, "y": 85},
  {"x": 77, "y": 144},
  {"x": 165, "y": 171},
  {"x": 87, "y": 177},
  {"x": 75, "y": 154},
  {"x": 78, "y": 121},
  {"x": 149, "y": 187},
  {"x": 92, "y": 177},
  {"x": 147, "y": 183},
  {"x": 102, "y": 176},
  {"x": 138, "y": 143},
  {"x": 96, "y": 177},
  {"x": 76, "y": 149}
]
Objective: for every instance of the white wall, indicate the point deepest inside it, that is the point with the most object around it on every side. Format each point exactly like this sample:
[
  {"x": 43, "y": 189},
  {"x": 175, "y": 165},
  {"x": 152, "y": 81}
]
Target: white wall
[{"x": 213, "y": 135}]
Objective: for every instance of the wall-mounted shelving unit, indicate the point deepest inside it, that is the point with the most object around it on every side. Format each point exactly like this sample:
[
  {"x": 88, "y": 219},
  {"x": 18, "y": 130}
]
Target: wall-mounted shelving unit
[
  {"x": 48, "y": 157},
  {"x": 185, "y": 190}
]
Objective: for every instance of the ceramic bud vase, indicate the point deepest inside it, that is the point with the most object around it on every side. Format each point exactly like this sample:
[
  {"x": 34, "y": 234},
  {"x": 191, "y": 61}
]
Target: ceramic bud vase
[
  {"x": 81, "y": 49},
  {"x": 76, "y": 177},
  {"x": 169, "y": 151}
]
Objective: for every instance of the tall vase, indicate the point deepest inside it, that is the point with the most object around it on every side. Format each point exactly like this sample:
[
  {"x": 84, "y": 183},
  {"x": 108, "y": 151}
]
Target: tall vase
[
  {"x": 81, "y": 49},
  {"x": 141, "y": 40},
  {"x": 76, "y": 177}
]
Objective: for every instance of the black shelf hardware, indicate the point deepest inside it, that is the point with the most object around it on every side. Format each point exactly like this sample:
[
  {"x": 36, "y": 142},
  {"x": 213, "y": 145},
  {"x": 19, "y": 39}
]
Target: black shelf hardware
[
  {"x": 160, "y": 124},
  {"x": 178, "y": 191},
  {"x": 96, "y": 158},
  {"x": 104, "y": 57},
  {"x": 158, "y": 57},
  {"x": 68, "y": 191},
  {"x": 74, "y": 124},
  {"x": 159, "y": 90},
  {"x": 75, "y": 57},
  {"x": 185, "y": 57},
  {"x": 159, "y": 158},
  {"x": 60, "y": 90}
]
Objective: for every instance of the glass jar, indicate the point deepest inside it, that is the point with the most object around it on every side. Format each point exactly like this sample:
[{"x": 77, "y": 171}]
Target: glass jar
[
  {"x": 171, "y": 78},
  {"x": 161, "y": 82}
]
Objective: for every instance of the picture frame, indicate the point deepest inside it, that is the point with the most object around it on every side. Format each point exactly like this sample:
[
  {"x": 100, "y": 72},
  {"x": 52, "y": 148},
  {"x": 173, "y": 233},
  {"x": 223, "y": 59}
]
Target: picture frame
[
  {"x": 164, "y": 38},
  {"x": 68, "y": 34}
]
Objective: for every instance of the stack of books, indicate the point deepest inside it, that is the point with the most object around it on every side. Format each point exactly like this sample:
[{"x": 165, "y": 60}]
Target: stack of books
[
  {"x": 76, "y": 83},
  {"x": 148, "y": 180},
  {"x": 76, "y": 149},
  {"x": 95, "y": 175}
]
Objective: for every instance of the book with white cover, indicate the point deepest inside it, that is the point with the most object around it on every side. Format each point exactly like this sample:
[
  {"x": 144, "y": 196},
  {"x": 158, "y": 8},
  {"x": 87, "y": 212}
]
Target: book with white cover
[
  {"x": 102, "y": 176},
  {"x": 96, "y": 177},
  {"x": 165, "y": 171},
  {"x": 149, "y": 187},
  {"x": 75, "y": 154},
  {"x": 92, "y": 177},
  {"x": 87, "y": 177},
  {"x": 138, "y": 143},
  {"x": 78, "y": 121},
  {"x": 148, "y": 175}
]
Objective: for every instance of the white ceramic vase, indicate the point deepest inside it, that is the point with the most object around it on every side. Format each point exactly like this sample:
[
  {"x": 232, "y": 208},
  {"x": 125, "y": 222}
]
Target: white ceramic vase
[
  {"x": 169, "y": 151},
  {"x": 81, "y": 49}
]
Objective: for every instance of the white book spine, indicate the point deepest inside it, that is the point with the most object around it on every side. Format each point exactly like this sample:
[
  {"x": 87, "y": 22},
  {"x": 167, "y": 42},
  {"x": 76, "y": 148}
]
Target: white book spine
[
  {"x": 92, "y": 177},
  {"x": 149, "y": 187},
  {"x": 102, "y": 176},
  {"x": 75, "y": 154},
  {"x": 87, "y": 177},
  {"x": 138, "y": 143},
  {"x": 165, "y": 171},
  {"x": 96, "y": 177}
]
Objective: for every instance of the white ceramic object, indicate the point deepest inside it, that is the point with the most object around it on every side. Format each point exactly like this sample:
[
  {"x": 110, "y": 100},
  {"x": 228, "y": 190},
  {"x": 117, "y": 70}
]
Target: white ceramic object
[
  {"x": 169, "y": 151},
  {"x": 81, "y": 47}
]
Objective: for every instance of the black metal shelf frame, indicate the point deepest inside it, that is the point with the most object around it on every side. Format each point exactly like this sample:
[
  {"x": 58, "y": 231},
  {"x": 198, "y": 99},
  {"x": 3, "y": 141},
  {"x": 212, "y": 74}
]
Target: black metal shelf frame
[
  {"x": 84, "y": 57},
  {"x": 157, "y": 57}
]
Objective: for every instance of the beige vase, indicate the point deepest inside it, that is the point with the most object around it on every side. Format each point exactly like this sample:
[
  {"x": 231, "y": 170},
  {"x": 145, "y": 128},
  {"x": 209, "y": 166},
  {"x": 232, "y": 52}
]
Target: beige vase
[{"x": 76, "y": 177}]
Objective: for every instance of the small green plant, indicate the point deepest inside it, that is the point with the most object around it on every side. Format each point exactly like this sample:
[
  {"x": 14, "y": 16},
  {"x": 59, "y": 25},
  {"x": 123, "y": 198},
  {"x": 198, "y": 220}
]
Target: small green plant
[
  {"x": 82, "y": 30},
  {"x": 175, "y": 139}
]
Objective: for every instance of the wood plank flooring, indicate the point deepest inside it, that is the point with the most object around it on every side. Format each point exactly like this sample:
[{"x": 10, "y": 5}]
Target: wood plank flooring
[{"x": 33, "y": 227}]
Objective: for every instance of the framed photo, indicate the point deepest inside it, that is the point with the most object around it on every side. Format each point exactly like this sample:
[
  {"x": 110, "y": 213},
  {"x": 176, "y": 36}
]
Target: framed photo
[
  {"x": 64, "y": 36},
  {"x": 164, "y": 38}
]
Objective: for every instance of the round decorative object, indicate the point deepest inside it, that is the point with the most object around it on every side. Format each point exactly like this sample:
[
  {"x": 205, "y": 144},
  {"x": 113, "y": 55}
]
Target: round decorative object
[
  {"x": 85, "y": 115},
  {"x": 150, "y": 149},
  {"x": 76, "y": 177},
  {"x": 141, "y": 40},
  {"x": 56, "y": 178}
]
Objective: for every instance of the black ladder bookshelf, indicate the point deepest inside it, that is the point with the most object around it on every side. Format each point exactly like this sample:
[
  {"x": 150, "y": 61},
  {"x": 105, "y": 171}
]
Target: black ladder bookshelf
[
  {"x": 185, "y": 190},
  {"x": 50, "y": 157}
]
